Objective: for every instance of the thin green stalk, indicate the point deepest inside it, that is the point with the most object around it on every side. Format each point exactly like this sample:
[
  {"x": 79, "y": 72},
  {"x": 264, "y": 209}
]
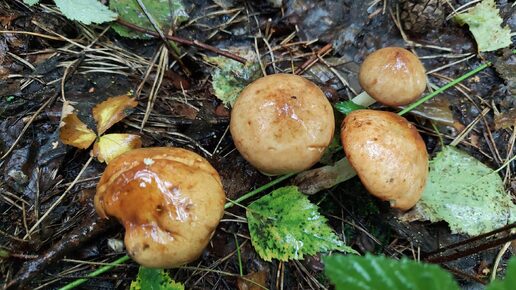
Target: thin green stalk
[
  {"x": 239, "y": 256},
  {"x": 444, "y": 88},
  {"x": 95, "y": 273}
]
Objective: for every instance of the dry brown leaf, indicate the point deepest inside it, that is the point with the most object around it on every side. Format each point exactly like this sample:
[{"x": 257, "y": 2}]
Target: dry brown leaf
[
  {"x": 505, "y": 120},
  {"x": 110, "y": 146},
  {"x": 259, "y": 281},
  {"x": 111, "y": 111},
  {"x": 72, "y": 130}
]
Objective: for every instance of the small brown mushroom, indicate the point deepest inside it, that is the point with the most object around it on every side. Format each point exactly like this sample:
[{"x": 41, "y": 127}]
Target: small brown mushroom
[
  {"x": 170, "y": 200},
  {"x": 282, "y": 123},
  {"x": 392, "y": 76},
  {"x": 388, "y": 155}
]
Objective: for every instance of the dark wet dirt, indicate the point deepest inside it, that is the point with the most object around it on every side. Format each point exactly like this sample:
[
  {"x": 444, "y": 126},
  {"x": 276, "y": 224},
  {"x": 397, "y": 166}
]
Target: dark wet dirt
[{"x": 39, "y": 168}]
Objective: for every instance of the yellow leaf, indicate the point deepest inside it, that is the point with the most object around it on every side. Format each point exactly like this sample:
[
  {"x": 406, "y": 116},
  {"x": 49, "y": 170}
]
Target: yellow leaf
[
  {"x": 111, "y": 111},
  {"x": 72, "y": 130},
  {"x": 110, "y": 146}
]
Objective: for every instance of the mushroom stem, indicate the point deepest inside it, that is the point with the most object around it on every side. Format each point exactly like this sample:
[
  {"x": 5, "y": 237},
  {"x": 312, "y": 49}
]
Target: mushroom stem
[
  {"x": 318, "y": 179},
  {"x": 363, "y": 99}
]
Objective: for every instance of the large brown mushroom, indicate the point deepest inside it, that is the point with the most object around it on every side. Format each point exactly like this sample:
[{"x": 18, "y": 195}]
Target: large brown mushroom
[
  {"x": 282, "y": 123},
  {"x": 170, "y": 200},
  {"x": 392, "y": 76},
  {"x": 388, "y": 155}
]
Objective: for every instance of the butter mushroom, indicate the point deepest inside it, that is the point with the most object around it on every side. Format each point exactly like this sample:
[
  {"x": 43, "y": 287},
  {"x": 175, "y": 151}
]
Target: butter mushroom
[
  {"x": 392, "y": 76},
  {"x": 282, "y": 124},
  {"x": 388, "y": 155},
  {"x": 170, "y": 200}
]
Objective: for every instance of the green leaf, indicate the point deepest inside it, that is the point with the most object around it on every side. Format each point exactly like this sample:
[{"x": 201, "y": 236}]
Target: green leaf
[
  {"x": 285, "y": 225},
  {"x": 510, "y": 278},
  {"x": 380, "y": 273},
  {"x": 230, "y": 77},
  {"x": 30, "y": 2},
  {"x": 485, "y": 23},
  {"x": 347, "y": 107},
  {"x": 85, "y": 11},
  {"x": 466, "y": 194},
  {"x": 166, "y": 13},
  {"x": 154, "y": 279}
]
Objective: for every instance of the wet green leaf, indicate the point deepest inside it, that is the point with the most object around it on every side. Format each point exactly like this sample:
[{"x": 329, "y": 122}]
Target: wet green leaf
[
  {"x": 167, "y": 13},
  {"x": 466, "y": 194},
  {"x": 154, "y": 279},
  {"x": 230, "y": 77},
  {"x": 285, "y": 225},
  {"x": 510, "y": 278},
  {"x": 85, "y": 11},
  {"x": 381, "y": 273},
  {"x": 347, "y": 107},
  {"x": 485, "y": 23},
  {"x": 30, "y": 2}
]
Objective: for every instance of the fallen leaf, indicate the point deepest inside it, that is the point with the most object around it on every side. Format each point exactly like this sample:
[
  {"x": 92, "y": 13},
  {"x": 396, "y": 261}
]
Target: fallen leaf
[
  {"x": 253, "y": 281},
  {"x": 505, "y": 120},
  {"x": 110, "y": 146},
  {"x": 72, "y": 131},
  {"x": 111, "y": 111}
]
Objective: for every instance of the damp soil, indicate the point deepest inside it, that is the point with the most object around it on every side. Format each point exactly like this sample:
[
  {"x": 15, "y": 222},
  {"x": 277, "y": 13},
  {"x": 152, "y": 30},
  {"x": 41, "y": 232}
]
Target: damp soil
[{"x": 38, "y": 72}]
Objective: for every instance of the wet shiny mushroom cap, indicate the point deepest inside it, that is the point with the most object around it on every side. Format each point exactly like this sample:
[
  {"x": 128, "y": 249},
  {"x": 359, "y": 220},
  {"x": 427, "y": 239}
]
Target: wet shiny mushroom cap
[
  {"x": 282, "y": 124},
  {"x": 388, "y": 155},
  {"x": 170, "y": 200},
  {"x": 393, "y": 76}
]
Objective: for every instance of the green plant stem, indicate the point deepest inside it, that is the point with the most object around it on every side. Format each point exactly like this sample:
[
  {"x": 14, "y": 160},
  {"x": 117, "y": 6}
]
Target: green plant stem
[
  {"x": 239, "y": 256},
  {"x": 258, "y": 190},
  {"x": 97, "y": 272},
  {"x": 444, "y": 88}
]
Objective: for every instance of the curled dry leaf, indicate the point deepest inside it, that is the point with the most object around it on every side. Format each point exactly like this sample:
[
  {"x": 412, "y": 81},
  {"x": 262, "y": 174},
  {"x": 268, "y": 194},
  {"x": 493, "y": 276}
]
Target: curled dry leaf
[
  {"x": 111, "y": 111},
  {"x": 72, "y": 130},
  {"x": 253, "y": 281},
  {"x": 110, "y": 146}
]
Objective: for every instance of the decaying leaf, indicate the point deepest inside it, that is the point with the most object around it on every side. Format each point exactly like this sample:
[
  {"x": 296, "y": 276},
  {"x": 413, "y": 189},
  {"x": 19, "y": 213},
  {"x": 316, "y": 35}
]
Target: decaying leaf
[
  {"x": 154, "y": 279},
  {"x": 505, "y": 120},
  {"x": 111, "y": 111},
  {"x": 485, "y": 24},
  {"x": 230, "y": 77},
  {"x": 465, "y": 193},
  {"x": 72, "y": 130},
  {"x": 253, "y": 281},
  {"x": 285, "y": 225},
  {"x": 164, "y": 12},
  {"x": 110, "y": 146}
]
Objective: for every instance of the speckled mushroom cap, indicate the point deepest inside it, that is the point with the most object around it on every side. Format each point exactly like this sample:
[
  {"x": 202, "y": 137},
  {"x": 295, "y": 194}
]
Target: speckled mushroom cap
[
  {"x": 170, "y": 201},
  {"x": 388, "y": 155},
  {"x": 282, "y": 123},
  {"x": 393, "y": 76}
]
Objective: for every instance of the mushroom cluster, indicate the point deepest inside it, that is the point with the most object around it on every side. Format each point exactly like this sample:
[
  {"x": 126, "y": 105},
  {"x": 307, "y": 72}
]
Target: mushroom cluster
[
  {"x": 282, "y": 124},
  {"x": 170, "y": 200}
]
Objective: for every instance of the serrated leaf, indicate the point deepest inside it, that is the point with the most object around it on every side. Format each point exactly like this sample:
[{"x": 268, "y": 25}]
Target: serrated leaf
[
  {"x": 485, "y": 24},
  {"x": 30, "y": 2},
  {"x": 109, "y": 146},
  {"x": 230, "y": 77},
  {"x": 164, "y": 12},
  {"x": 509, "y": 282},
  {"x": 111, "y": 111},
  {"x": 85, "y": 11},
  {"x": 347, "y": 107},
  {"x": 72, "y": 131},
  {"x": 380, "y": 273},
  {"x": 285, "y": 225},
  {"x": 466, "y": 194},
  {"x": 154, "y": 279}
]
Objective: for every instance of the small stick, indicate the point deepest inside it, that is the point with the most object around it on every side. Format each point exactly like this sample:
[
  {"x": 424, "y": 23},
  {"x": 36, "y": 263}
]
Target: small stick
[
  {"x": 325, "y": 49},
  {"x": 184, "y": 41}
]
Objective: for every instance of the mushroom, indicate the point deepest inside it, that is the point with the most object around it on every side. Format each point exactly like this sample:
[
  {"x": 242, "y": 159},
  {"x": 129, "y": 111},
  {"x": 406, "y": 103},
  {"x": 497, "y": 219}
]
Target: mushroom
[
  {"x": 388, "y": 155},
  {"x": 392, "y": 76},
  {"x": 282, "y": 124},
  {"x": 170, "y": 200}
]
